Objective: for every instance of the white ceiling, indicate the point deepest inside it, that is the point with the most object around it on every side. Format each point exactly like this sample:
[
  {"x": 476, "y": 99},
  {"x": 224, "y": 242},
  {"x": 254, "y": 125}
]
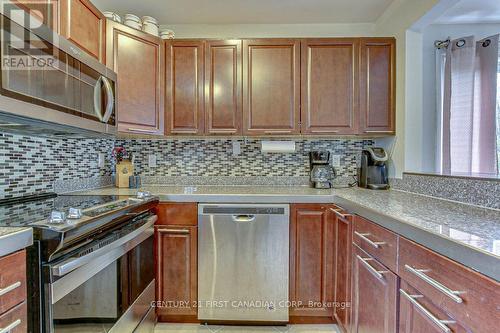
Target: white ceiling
[
  {"x": 250, "y": 11},
  {"x": 472, "y": 11}
]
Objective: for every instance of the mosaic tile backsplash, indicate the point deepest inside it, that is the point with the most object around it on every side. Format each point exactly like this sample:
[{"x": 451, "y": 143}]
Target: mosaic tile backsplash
[
  {"x": 214, "y": 157},
  {"x": 31, "y": 165}
]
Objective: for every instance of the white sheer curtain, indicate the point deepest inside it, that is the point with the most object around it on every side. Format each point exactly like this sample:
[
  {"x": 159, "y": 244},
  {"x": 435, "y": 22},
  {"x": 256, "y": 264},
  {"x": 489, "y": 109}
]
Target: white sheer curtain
[{"x": 469, "y": 132}]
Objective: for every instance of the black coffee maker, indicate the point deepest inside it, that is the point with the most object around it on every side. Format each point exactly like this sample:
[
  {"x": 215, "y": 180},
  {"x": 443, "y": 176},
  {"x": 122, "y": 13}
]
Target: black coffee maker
[{"x": 373, "y": 171}]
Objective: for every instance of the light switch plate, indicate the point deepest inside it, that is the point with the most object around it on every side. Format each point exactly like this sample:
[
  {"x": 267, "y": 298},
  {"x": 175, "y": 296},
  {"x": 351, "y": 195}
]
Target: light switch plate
[
  {"x": 152, "y": 161},
  {"x": 101, "y": 160},
  {"x": 236, "y": 148},
  {"x": 336, "y": 161}
]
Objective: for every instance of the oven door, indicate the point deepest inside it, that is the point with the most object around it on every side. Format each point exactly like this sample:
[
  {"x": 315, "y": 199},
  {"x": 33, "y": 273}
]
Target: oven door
[{"x": 112, "y": 291}]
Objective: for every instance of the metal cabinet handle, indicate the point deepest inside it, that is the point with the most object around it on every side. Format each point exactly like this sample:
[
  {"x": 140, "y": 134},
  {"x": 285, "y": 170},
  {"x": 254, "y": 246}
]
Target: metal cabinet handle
[
  {"x": 10, "y": 327},
  {"x": 439, "y": 323},
  {"x": 341, "y": 215},
  {"x": 439, "y": 286},
  {"x": 372, "y": 269},
  {"x": 378, "y": 131},
  {"x": 174, "y": 231},
  {"x": 369, "y": 241},
  {"x": 10, "y": 288}
]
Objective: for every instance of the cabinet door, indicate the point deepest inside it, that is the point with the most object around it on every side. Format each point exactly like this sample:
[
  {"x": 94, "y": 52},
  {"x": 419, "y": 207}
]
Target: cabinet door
[
  {"x": 311, "y": 261},
  {"x": 138, "y": 60},
  {"x": 417, "y": 314},
  {"x": 83, "y": 24},
  {"x": 185, "y": 102},
  {"x": 343, "y": 249},
  {"x": 329, "y": 89},
  {"x": 46, "y": 11},
  {"x": 377, "y": 86},
  {"x": 271, "y": 86},
  {"x": 223, "y": 87},
  {"x": 374, "y": 295},
  {"x": 176, "y": 271}
]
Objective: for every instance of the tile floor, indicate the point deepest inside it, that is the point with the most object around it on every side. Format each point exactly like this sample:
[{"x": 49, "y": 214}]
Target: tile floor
[{"x": 193, "y": 328}]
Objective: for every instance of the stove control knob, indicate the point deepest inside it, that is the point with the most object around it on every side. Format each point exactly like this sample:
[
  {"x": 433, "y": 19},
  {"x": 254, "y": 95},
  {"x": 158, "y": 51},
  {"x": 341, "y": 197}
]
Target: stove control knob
[
  {"x": 57, "y": 217},
  {"x": 143, "y": 194},
  {"x": 74, "y": 214}
]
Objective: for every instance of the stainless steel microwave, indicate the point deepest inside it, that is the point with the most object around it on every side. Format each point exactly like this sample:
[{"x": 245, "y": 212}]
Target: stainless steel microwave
[{"x": 50, "y": 86}]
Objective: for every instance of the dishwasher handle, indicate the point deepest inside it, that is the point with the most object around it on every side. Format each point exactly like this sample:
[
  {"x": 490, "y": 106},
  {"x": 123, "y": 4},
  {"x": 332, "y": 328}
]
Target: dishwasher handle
[{"x": 243, "y": 218}]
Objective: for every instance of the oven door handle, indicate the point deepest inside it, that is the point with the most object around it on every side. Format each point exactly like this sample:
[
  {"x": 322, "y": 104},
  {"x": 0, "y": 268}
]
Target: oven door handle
[{"x": 69, "y": 265}]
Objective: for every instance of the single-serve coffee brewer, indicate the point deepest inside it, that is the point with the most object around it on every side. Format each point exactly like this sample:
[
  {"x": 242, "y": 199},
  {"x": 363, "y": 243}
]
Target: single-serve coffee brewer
[
  {"x": 322, "y": 173},
  {"x": 372, "y": 173}
]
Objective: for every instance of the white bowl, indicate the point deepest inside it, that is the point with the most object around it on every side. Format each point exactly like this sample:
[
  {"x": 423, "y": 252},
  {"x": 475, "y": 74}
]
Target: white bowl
[
  {"x": 109, "y": 15},
  {"x": 149, "y": 19},
  {"x": 132, "y": 17},
  {"x": 117, "y": 18},
  {"x": 150, "y": 29},
  {"x": 133, "y": 24}
]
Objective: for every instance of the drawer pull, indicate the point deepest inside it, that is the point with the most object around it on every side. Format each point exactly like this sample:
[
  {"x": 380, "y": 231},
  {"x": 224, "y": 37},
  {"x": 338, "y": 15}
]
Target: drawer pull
[
  {"x": 174, "y": 231},
  {"x": 341, "y": 215},
  {"x": 439, "y": 323},
  {"x": 372, "y": 269},
  {"x": 369, "y": 241},
  {"x": 10, "y": 327},
  {"x": 10, "y": 288},
  {"x": 445, "y": 290}
]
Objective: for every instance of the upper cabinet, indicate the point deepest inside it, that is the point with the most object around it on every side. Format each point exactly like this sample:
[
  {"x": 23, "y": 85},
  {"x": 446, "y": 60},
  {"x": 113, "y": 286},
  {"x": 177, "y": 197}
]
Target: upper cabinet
[
  {"x": 377, "y": 85},
  {"x": 138, "y": 59},
  {"x": 329, "y": 86},
  {"x": 46, "y": 11},
  {"x": 185, "y": 87},
  {"x": 271, "y": 86},
  {"x": 83, "y": 24},
  {"x": 223, "y": 87}
]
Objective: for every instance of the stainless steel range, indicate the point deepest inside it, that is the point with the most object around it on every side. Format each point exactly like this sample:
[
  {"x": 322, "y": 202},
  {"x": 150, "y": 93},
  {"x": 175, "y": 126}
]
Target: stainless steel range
[{"x": 91, "y": 266}]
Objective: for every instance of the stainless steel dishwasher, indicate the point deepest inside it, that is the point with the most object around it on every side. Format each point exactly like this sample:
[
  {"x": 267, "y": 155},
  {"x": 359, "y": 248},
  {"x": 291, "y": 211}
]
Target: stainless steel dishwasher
[{"x": 243, "y": 262}]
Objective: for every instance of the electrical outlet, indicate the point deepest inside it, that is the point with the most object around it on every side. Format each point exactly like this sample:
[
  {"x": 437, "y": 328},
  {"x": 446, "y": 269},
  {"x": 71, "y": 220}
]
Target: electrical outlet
[
  {"x": 101, "y": 160},
  {"x": 236, "y": 148},
  {"x": 336, "y": 161},
  {"x": 152, "y": 161}
]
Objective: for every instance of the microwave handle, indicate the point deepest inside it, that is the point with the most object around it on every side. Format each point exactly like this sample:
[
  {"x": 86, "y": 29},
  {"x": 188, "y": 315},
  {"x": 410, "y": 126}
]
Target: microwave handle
[{"x": 98, "y": 96}]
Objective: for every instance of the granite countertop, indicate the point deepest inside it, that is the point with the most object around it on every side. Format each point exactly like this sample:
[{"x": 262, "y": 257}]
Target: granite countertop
[
  {"x": 14, "y": 239},
  {"x": 464, "y": 233}
]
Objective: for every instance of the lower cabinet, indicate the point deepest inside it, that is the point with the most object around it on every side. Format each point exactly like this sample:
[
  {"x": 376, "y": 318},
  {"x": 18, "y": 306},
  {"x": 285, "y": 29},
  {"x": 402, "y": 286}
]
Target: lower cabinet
[
  {"x": 374, "y": 297},
  {"x": 343, "y": 265},
  {"x": 176, "y": 248},
  {"x": 312, "y": 236}
]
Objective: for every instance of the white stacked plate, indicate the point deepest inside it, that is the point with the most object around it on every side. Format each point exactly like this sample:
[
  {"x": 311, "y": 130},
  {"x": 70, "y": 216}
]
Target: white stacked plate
[
  {"x": 167, "y": 34},
  {"x": 133, "y": 21},
  {"x": 113, "y": 16},
  {"x": 150, "y": 25}
]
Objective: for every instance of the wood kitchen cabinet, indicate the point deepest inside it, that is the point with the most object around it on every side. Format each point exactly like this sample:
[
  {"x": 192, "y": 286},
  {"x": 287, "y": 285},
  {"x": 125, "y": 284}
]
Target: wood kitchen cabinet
[
  {"x": 46, "y": 11},
  {"x": 83, "y": 24},
  {"x": 223, "y": 87},
  {"x": 271, "y": 87},
  {"x": 329, "y": 86},
  {"x": 312, "y": 236},
  {"x": 377, "y": 81},
  {"x": 176, "y": 246},
  {"x": 374, "y": 295},
  {"x": 343, "y": 267},
  {"x": 138, "y": 59},
  {"x": 13, "y": 298},
  {"x": 185, "y": 86}
]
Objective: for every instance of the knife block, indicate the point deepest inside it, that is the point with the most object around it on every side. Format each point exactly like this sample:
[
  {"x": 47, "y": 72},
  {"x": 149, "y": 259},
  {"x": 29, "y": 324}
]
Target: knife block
[{"x": 124, "y": 170}]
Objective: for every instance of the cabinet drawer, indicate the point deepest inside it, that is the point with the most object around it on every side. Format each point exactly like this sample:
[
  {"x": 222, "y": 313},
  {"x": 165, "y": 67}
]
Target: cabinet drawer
[
  {"x": 380, "y": 243},
  {"x": 470, "y": 297},
  {"x": 12, "y": 280},
  {"x": 177, "y": 214},
  {"x": 15, "y": 320}
]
